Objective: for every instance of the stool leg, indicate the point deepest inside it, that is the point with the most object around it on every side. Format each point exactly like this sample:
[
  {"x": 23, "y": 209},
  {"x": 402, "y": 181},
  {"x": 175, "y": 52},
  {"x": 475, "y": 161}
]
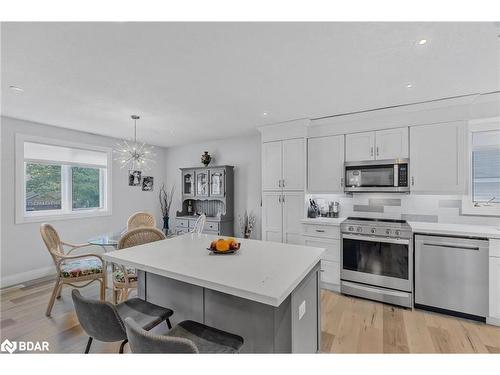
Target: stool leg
[
  {"x": 89, "y": 343},
  {"x": 168, "y": 323},
  {"x": 122, "y": 345}
]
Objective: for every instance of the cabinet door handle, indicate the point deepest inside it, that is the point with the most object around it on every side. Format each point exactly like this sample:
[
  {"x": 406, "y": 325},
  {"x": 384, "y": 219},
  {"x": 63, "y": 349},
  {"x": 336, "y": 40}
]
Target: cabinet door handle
[
  {"x": 283, "y": 183},
  {"x": 320, "y": 230},
  {"x": 342, "y": 182},
  {"x": 371, "y": 151},
  {"x": 283, "y": 199},
  {"x": 412, "y": 181},
  {"x": 377, "y": 150},
  {"x": 279, "y": 198}
]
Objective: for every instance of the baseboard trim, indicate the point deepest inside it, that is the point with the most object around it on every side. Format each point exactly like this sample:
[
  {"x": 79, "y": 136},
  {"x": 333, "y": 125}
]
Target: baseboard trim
[
  {"x": 22, "y": 277},
  {"x": 332, "y": 287},
  {"x": 493, "y": 321}
]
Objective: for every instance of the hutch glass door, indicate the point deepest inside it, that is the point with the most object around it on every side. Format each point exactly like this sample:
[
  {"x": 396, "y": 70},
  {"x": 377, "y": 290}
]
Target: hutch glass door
[
  {"x": 188, "y": 183},
  {"x": 217, "y": 183},
  {"x": 202, "y": 183}
]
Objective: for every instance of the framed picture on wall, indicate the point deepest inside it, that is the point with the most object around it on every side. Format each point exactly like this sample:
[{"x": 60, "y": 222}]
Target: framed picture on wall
[
  {"x": 134, "y": 178},
  {"x": 147, "y": 183}
]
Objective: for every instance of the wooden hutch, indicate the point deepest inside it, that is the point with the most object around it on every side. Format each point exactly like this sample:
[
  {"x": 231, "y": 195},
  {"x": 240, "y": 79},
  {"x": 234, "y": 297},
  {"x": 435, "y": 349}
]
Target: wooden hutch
[{"x": 210, "y": 191}]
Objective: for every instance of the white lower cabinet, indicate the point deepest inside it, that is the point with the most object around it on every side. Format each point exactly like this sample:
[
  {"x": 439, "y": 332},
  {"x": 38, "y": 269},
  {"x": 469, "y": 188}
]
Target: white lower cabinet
[
  {"x": 293, "y": 211},
  {"x": 330, "y": 275},
  {"x": 328, "y": 238},
  {"x": 494, "y": 287},
  {"x": 281, "y": 215},
  {"x": 272, "y": 217}
]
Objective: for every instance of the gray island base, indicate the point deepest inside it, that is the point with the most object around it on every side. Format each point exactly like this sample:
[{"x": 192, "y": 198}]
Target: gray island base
[{"x": 265, "y": 328}]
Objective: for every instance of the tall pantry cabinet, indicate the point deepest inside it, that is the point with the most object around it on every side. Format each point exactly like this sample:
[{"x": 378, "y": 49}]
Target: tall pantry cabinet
[{"x": 283, "y": 181}]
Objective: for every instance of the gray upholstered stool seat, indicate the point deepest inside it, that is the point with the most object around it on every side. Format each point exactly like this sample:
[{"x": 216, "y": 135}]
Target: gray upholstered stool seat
[
  {"x": 207, "y": 339},
  {"x": 104, "y": 321},
  {"x": 146, "y": 314},
  {"x": 186, "y": 337}
]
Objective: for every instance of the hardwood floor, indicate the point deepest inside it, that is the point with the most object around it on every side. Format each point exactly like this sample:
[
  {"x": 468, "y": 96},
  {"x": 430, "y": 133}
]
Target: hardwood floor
[
  {"x": 353, "y": 325},
  {"x": 349, "y": 325}
]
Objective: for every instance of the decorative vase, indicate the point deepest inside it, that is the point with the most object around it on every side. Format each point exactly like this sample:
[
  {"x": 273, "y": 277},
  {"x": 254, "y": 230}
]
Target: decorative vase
[
  {"x": 206, "y": 159},
  {"x": 165, "y": 224}
]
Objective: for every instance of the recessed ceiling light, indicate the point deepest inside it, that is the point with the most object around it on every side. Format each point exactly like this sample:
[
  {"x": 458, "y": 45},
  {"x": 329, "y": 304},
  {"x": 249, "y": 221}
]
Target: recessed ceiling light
[
  {"x": 421, "y": 42},
  {"x": 264, "y": 114},
  {"x": 16, "y": 88},
  {"x": 409, "y": 85}
]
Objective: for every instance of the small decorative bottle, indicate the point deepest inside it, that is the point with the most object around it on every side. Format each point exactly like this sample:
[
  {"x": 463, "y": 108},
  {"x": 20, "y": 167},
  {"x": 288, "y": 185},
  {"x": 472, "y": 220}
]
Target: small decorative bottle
[{"x": 190, "y": 208}]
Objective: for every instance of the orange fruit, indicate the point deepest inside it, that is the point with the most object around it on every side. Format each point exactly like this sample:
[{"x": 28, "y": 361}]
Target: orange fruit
[{"x": 222, "y": 245}]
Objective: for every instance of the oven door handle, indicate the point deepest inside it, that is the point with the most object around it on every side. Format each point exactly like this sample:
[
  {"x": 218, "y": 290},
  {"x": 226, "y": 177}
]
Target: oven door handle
[{"x": 376, "y": 239}]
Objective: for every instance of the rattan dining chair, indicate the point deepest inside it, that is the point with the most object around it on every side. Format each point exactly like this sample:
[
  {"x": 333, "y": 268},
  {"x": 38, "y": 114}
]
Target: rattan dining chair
[
  {"x": 125, "y": 278},
  {"x": 199, "y": 224},
  {"x": 140, "y": 220},
  {"x": 71, "y": 269}
]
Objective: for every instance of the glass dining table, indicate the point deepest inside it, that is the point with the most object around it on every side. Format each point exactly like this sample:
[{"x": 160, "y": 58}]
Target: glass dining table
[{"x": 107, "y": 241}]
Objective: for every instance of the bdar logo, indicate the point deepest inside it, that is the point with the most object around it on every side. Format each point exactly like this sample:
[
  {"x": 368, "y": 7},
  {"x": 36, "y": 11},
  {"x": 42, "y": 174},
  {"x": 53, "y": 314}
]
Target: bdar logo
[{"x": 8, "y": 346}]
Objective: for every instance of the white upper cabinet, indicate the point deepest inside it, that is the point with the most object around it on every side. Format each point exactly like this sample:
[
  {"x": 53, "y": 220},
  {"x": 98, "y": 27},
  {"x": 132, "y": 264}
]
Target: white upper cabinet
[
  {"x": 377, "y": 145},
  {"x": 437, "y": 158},
  {"x": 272, "y": 216},
  {"x": 271, "y": 165},
  {"x": 294, "y": 164},
  {"x": 360, "y": 146},
  {"x": 283, "y": 165},
  {"x": 325, "y": 162},
  {"x": 391, "y": 144}
]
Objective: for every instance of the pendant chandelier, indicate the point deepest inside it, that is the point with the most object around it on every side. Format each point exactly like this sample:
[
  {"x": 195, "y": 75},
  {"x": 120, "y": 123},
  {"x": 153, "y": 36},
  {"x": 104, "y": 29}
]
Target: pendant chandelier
[{"x": 137, "y": 156}]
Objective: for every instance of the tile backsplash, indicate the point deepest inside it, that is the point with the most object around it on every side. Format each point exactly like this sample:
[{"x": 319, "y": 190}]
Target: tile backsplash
[{"x": 411, "y": 207}]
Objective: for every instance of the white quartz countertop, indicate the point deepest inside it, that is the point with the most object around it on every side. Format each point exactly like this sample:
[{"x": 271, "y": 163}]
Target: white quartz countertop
[
  {"x": 465, "y": 230},
  {"x": 324, "y": 220},
  {"x": 261, "y": 271}
]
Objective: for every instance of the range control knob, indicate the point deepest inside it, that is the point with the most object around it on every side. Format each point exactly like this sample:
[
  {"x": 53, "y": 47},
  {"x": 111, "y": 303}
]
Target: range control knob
[
  {"x": 398, "y": 232},
  {"x": 359, "y": 229},
  {"x": 387, "y": 231},
  {"x": 373, "y": 230},
  {"x": 350, "y": 229}
]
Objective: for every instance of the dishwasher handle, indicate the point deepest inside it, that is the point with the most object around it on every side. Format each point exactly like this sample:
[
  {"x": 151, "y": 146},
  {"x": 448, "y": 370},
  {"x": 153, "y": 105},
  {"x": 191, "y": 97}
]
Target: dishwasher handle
[{"x": 452, "y": 246}]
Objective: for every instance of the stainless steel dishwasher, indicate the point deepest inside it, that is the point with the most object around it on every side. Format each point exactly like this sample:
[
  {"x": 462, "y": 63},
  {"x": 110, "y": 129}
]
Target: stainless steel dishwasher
[{"x": 451, "y": 275}]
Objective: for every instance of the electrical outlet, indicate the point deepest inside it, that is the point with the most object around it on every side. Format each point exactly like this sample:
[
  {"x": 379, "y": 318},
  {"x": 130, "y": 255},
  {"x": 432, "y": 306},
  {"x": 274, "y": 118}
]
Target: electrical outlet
[{"x": 302, "y": 309}]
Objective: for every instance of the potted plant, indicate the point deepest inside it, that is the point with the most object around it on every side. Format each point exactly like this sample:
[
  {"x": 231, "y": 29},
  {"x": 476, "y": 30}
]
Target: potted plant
[{"x": 165, "y": 204}]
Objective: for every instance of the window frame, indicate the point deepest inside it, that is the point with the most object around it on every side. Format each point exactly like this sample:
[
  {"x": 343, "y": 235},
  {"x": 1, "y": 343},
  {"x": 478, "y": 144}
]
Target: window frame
[
  {"x": 468, "y": 205},
  {"x": 67, "y": 211}
]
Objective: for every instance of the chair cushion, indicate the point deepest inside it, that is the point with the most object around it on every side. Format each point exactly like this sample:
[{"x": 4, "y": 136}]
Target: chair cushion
[
  {"x": 146, "y": 314},
  {"x": 81, "y": 267},
  {"x": 207, "y": 339},
  {"x": 118, "y": 275}
]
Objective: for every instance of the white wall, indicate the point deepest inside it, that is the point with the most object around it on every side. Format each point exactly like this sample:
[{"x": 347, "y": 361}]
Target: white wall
[
  {"x": 23, "y": 255},
  {"x": 243, "y": 153}
]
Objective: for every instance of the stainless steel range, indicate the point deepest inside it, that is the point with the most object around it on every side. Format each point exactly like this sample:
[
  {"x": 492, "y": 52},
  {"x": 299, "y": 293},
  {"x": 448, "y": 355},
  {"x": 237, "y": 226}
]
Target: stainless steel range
[{"x": 377, "y": 260}]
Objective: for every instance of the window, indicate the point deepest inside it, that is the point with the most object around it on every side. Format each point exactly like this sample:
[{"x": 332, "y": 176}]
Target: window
[
  {"x": 60, "y": 179},
  {"x": 484, "y": 168}
]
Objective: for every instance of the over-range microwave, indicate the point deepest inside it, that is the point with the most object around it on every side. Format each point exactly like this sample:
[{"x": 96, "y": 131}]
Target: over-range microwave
[{"x": 377, "y": 176}]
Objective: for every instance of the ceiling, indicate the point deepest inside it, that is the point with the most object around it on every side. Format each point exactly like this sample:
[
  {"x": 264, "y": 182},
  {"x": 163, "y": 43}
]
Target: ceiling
[{"x": 192, "y": 82}]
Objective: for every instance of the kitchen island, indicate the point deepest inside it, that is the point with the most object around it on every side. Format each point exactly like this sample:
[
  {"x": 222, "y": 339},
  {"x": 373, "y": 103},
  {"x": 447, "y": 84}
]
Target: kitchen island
[{"x": 267, "y": 292}]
